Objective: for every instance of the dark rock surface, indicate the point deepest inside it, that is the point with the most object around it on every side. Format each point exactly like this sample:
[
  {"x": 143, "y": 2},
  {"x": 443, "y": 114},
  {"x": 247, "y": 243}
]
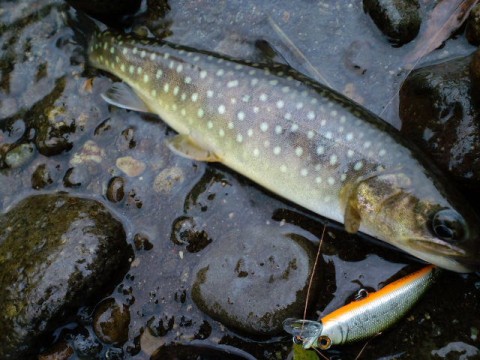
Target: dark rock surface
[
  {"x": 439, "y": 115},
  {"x": 399, "y": 20},
  {"x": 232, "y": 277},
  {"x": 57, "y": 253}
]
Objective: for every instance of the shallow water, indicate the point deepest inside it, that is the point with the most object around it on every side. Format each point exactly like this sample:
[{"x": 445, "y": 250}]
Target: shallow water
[{"x": 43, "y": 77}]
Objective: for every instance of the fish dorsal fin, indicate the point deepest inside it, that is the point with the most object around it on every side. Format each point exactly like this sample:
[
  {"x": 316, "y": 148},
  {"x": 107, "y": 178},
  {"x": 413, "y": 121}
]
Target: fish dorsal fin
[
  {"x": 123, "y": 96},
  {"x": 185, "y": 146}
]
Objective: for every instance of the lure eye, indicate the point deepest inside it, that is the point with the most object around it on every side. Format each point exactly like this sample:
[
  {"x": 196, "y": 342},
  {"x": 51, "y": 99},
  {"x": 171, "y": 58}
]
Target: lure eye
[
  {"x": 324, "y": 342},
  {"x": 448, "y": 225}
]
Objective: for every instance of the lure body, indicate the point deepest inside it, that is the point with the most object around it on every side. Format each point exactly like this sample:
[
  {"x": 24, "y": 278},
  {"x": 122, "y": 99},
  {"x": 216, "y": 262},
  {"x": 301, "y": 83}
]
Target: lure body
[
  {"x": 364, "y": 318},
  {"x": 297, "y": 139}
]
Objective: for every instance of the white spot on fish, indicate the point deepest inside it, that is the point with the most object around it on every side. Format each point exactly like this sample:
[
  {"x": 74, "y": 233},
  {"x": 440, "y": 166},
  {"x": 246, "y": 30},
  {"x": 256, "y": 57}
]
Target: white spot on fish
[
  {"x": 331, "y": 181},
  {"x": 241, "y": 115},
  {"x": 288, "y": 116},
  {"x": 299, "y": 151},
  {"x": 131, "y": 69},
  {"x": 154, "y": 93},
  {"x": 367, "y": 144},
  {"x": 221, "y": 109},
  {"x": 278, "y": 129},
  {"x": 153, "y": 56},
  {"x": 304, "y": 172},
  {"x": 254, "y": 82},
  {"x": 358, "y": 166},
  {"x": 200, "y": 113},
  {"x": 283, "y": 168},
  {"x": 277, "y": 150},
  {"x": 183, "y": 97},
  {"x": 166, "y": 87},
  {"x": 350, "y": 153},
  {"x": 176, "y": 89},
  {"x": 245, "y": 98},
  {"x": 320, "y": 150},
  {"x": 266, "y": 143},
  {"x": 221, "y": 132},
  {"x": 179, "y": 68},
  {"x": 280, "y": 104},
  {"x": 250, "y": 132},
  {"x": 310, "y": 134},
  {"x": 135, "y": 50},
  {"x": 139, "y": 70},
  {"x": 343, "y": 177},
  {"x": 209, "y": 93},
  {"x": 122, "y": 67},
  {"x": 311, "y": 115},
  {"x": 209, "y": 125},
  {"x": 285, "y": 89},
  {"x": 159, "y": 74},
  {"x": 333, "y": 113},
  {"x": 203, "y": 74},
  {"x": 328, "y": 135},
  {"x": 145, "y": 78},
  {"x": 318, "y": 180},
  {"x": 264, "y": 126},
  {"x": 256, "y": 152},
  {"x": 194, "y": 97},
  {"x": 333, "y": 159},
  {"x": 382, "y": 152},
  {"x": 273, "y": 82},
  {"x": 343, "y": 119},
  {"x": 239, "y": 138},
  {"x": 124, "y": 51},
  {"x": 188, "y": 80},
  {"x": 220, "y": 72},
  {"x": 232, "y": 83},
  {"x": 263, "y": 97},
  {"x": 299, "y": 105},
  {"x": 349, "y": 136},
  {"x": 143, "y": 54},
  {"x": 255, "y": 109},
  {"x": 230, "y": 125}
]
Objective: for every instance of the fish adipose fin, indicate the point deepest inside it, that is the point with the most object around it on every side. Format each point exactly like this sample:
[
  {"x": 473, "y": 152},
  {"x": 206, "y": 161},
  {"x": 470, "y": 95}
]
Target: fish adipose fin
[
  {"x": 123, "y": 96},
  {"x": 186, "y": 147}
]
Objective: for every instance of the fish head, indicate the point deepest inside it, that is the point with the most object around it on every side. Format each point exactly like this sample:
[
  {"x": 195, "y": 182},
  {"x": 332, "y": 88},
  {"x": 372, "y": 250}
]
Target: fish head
[{"x": 418, "y": 215}]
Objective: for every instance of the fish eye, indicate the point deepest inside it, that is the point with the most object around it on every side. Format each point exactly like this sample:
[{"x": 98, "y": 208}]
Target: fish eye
[{"x": 448, "y": 225}]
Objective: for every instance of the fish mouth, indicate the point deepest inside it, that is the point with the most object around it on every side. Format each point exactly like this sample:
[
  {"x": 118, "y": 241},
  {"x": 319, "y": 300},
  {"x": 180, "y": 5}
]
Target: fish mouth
[{"x": 438, "y": 247}]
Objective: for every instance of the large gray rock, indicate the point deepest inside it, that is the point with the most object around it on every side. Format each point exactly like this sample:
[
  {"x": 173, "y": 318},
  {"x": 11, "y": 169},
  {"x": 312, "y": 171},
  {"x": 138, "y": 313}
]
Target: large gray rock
[
  {"x": 254, "y": 279},
  {"x": 57, "y": 252}
]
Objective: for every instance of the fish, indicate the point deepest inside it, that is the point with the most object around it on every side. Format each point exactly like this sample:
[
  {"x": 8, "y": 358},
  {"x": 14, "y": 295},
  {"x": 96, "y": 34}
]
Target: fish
[
  {"x": 364, "y": 318},
  {"x": 296, "y": 138}
]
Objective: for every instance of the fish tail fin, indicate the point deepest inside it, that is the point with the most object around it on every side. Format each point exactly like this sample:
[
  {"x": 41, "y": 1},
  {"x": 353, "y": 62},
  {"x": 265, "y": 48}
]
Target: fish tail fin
[{"x": 84, "y": 26}]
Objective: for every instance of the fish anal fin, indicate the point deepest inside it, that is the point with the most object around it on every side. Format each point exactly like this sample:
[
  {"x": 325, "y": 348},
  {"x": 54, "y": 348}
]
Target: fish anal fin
[
  {"x": 185, "y": 146},
  {"x": 123, "y": 96}
]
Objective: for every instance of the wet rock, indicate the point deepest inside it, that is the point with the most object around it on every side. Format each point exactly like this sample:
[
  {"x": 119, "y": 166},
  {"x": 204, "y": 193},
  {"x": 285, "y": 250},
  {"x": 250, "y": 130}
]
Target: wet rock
[
  {"x": 60, "y": 351},
  {"x": 472, "y": 31},
  {"x": 131, "y": 166},
  {"x": 106, "y": 10},
  {"x": 115, "y": 189},
  {"x": 142, "y": 242},
  {"x": 111, "y": 322},
  {"x": 399, "y": 20},
  {"x": 57, "y": 253},
  {"x": 233, "y": 278},
  {"x": 19, "y": 155},
  {"x": 74, "y": 177},
  {"x": 186, "y": 232},
  {"x": 167, "y": 179},
  {"x": 41, "y": 177},
  {"x": 200, "y": 350},
  {"x": 438, "y": 115}
]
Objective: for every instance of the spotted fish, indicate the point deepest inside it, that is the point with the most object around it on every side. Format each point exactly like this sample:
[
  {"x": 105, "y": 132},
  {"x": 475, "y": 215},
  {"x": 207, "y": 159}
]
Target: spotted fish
[{"x": 296, "y": 138}]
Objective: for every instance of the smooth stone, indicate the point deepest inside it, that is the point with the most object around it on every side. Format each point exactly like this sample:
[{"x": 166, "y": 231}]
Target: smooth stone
[
  {"x": 254, "y": 279},
  {"x": 57, "y": 253}
]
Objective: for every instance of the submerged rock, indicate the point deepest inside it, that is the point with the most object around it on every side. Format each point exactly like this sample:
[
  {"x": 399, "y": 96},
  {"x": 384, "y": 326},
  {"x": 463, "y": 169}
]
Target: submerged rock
[
  {"x": 255, "y": 279},
  {"x": 399, "y": 20},
  {"x": 439, "y": 115},
  {"x": 57, "y": 253}
]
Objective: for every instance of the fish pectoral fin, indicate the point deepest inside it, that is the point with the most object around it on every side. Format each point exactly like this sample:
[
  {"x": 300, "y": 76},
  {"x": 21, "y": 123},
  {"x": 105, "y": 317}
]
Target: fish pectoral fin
[
  {"x": 185, "y": 146},
  {"x": 352, "y": 217},
  {"x": 123, "y": 96}
]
